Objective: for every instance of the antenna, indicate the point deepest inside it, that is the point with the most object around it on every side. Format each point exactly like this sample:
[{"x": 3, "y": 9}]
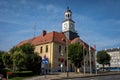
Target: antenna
[
  {"x": 68, "y": 4},
  {"x": 34, "y": 28}
]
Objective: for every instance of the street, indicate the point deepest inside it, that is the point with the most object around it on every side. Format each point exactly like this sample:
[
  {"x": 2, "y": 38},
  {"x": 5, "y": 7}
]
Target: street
[{"x": 108, "y": 77}]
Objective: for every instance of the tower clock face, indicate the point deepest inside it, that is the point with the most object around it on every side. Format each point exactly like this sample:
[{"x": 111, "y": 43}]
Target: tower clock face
[
  {"x": 65, "y": 26},
  {"x": 71, "y": 25}
]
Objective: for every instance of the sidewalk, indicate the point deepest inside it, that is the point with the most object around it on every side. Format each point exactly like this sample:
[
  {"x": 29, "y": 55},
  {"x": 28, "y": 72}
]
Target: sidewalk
[{"x": 60, "y": 76}]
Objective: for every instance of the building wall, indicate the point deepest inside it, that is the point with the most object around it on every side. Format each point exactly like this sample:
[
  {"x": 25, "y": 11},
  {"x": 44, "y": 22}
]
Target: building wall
[
  {"x": 58, "y": 54},
  {"x": 48, "y": 54},
  {"x": 53, "y": 54},
  {"x": 115, "y": 58}
]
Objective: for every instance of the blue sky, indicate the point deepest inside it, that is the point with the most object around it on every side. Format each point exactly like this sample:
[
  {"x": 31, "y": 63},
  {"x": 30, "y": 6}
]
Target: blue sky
[{"x": 97, "y": 21}]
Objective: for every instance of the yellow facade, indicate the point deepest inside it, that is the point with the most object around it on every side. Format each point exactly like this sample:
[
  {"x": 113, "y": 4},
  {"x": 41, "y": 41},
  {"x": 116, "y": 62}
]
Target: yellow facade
[{"x": 53, "y": 53}]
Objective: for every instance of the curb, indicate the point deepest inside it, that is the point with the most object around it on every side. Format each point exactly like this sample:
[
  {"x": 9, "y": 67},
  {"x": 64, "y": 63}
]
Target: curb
[{"x": 88, "y": 76}]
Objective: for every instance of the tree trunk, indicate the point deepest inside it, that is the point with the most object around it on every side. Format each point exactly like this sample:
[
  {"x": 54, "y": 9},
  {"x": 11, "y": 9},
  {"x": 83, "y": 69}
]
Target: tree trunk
[
  {"x": 103, "y": 67},
  {"x": 78, "y": 70}
]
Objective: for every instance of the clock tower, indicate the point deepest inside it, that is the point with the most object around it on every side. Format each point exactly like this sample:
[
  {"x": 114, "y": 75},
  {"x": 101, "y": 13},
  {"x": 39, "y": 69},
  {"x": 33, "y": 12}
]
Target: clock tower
[{"x": 68, "y": 25}]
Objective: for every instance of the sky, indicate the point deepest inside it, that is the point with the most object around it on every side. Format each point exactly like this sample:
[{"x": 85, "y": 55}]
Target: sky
[{"x": 96, "y": 21}]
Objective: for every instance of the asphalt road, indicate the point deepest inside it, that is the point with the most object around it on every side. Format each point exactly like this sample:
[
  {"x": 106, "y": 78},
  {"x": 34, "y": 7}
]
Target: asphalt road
[{"x": 108, "y": 77}]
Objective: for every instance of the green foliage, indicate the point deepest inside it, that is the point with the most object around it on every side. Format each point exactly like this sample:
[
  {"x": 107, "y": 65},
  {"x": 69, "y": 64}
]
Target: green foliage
[
  {"x": 18, "y": 59},
  {"x": 7, "y": 60},
  {"x": 75, "y": 54},
  {"x": 14, "y": 49},
  {"x": 103, "y": 58},
  {"x": 23, "y": 57},
  {"x": 1, "y": 61},
  {"x": 33, "y": 62},
  {"x": 27, "y": 48},
  {"x": 4, "y": 71},
  {"x": 22, "y": 74}
]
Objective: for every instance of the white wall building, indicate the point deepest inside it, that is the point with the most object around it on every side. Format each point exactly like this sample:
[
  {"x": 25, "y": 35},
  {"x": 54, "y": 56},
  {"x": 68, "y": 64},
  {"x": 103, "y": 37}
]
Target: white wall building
[{"x": 115, "y": 57}]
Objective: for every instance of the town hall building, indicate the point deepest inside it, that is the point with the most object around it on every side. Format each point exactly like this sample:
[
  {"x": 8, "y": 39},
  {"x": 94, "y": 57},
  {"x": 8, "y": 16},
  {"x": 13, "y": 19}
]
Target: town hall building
[{"x": 53, "y": 45}]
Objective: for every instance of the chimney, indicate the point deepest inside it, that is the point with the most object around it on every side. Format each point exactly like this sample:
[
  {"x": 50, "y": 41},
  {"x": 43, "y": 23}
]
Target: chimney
[{"x": 44, "y": 32}]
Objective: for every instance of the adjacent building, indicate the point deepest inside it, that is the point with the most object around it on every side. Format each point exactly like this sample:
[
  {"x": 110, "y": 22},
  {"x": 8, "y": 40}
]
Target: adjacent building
[
  {"x": 115, "y": 57},
  {"x": 53, "y": 45}
]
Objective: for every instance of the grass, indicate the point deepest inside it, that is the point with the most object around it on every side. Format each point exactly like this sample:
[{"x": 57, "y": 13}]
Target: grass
[
  {"x": 22, "y": 78},
  {"x": 17, "y": 78},
  {"x": 22, "y": 75}
]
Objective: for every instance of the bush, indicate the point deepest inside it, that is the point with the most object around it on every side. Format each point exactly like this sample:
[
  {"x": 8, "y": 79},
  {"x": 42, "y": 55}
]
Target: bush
[
  {"x": 4, "y": 72},
  {"x": 22, "y": 74}
]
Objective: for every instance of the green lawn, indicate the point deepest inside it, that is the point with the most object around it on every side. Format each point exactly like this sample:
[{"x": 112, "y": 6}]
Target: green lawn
[
  {"x": 22, "y": 75},
  {"x": 17, "y": 78}
]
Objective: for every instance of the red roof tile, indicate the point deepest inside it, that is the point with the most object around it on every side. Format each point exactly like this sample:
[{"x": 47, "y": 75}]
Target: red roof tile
[
  {"x": 82, "y": 42},
  {"x": 49, "y": 37},
  {"x": 52, "y": 37}
]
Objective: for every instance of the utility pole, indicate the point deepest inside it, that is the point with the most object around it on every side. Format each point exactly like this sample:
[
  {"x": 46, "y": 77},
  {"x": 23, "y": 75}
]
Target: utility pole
[
  {"x": 95, "y": 59},
  {"x": 90, "y": 59},
  {"x": 84, "y": 58}
]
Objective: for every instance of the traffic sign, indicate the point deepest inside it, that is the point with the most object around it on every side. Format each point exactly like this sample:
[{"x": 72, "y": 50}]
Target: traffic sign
[{"x": 45, "y": 61}]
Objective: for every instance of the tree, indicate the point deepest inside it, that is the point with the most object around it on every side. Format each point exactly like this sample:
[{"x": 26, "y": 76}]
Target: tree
[
  {"x": 103, "y": 58},
  {"x": 7, "y": 60},
  {"x": 33, "y": 62},
  {"x": 32, "y": 59},
  {"x": 14, "y": 49},
  {"x": 1, "y": 61},
  {"x": 75, "y": 54},
  {"x": 18, "y": 60},
  {"x": 27, "y": 48}
]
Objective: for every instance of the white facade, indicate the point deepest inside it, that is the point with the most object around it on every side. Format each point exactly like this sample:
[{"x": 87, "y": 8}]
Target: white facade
[
  {"x": 115, "y": 57},
  {"x": 68, "y": 24}
]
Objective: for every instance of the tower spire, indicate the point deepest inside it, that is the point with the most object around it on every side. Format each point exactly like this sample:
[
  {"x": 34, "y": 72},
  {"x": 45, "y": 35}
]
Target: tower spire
[
  {"x": 67, "y": 7},
  {"x": 68, "y": 4}
]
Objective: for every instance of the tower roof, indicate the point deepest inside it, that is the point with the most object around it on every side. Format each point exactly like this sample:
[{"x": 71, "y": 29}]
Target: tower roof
[{"x": 68, "y": 10}]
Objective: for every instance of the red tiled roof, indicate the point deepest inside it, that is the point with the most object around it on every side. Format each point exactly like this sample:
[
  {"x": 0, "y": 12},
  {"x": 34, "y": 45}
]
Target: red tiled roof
[
  {"x": 49, "y": 37},
  {"x": 52, "y": 37},
  {"x": 82, "y": 42},
  {"x": 75, "y": 40}
]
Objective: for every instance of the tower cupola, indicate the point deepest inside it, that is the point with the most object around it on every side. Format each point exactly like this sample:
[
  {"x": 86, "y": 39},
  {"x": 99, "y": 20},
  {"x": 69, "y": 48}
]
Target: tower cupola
[
  {"x": 68, "y": 14},
  {"x": 68, "y": 25}
]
